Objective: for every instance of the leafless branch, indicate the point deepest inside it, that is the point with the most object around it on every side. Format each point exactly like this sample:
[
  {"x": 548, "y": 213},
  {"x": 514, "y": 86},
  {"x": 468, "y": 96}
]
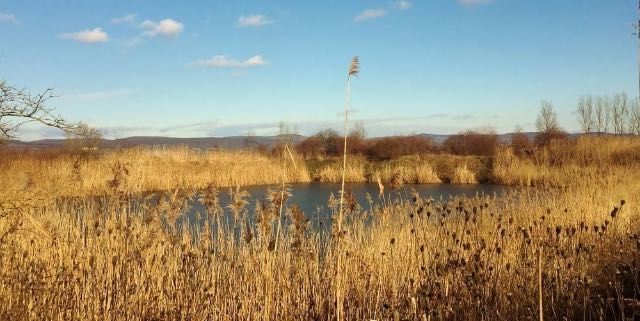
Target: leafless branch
[{"x": 19, "y": 106}]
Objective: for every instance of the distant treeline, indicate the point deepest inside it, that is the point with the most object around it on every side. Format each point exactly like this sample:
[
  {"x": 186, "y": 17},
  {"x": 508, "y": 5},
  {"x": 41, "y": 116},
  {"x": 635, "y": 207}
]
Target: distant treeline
[
  {"x": 328, "y": 143},
  {"x": 600, "y": 115}
]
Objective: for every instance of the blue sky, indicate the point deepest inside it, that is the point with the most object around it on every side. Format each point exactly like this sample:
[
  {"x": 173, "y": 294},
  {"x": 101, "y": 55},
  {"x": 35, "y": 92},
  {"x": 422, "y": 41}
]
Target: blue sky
[{"x": 217, "y": 68}]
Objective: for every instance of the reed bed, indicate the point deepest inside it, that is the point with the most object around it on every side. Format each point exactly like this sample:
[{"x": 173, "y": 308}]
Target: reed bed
[
  {"x": 354, "y": 173},
  {"x": 462, "y": 175},
  {"x": 475, "y": 258},
  {"x": 148, "y": 169},
  {"x": 573, "y": 252},
  {"x": 568, "y": 163},
  {"x": 418, "y": 169},
  {"x": 417, "y": 174}
]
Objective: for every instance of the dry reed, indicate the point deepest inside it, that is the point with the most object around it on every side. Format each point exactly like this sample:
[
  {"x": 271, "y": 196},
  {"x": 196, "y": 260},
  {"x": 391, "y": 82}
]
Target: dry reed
[{"x": 120, "y": 257}]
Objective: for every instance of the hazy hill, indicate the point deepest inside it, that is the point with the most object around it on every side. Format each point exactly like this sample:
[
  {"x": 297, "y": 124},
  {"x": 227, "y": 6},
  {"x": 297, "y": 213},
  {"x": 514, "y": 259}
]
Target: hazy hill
[{"x": 230, "y": 142}]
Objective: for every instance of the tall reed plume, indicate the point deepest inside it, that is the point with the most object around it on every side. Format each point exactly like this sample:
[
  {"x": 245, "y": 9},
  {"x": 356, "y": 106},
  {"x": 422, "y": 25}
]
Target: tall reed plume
[{"x": 354, "y": 70}]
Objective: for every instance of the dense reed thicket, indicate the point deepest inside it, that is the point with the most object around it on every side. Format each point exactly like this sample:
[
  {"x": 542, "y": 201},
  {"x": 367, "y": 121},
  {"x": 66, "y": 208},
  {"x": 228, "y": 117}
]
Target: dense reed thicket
[
  {"x": 148, "y": 169},
  {"x": 559, "y": 163},
  {"x": 585, "y": 160},
  {"x": 415, "y": 169}
]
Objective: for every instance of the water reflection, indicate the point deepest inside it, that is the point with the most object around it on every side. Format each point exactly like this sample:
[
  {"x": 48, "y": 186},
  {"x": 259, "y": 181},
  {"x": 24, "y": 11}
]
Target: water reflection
[{"x": 313, "y": 198}]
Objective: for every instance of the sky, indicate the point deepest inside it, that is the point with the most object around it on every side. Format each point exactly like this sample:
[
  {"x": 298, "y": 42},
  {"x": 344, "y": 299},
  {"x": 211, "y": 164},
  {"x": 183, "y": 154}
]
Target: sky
[{"x": 221, "y": 68}]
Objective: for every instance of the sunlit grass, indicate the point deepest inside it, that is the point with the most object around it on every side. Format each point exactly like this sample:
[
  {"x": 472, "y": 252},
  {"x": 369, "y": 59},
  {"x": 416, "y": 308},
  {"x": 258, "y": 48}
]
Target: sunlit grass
[{"x": 468, "y": 258}]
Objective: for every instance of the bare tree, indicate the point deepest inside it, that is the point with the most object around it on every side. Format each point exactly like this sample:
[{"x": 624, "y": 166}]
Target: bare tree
[
  {"x": 19, "y": 106},
  {"x": 250, "y": 140},
  {"x": 286, "y": 137},
  {"x": 547, "y": 120},
  {"x": 358, "y": 130},
  {"x": 618, "y": 111},
  {"x": 586, "y": 115},
  {"x": 634, "y": 117},
  {"x": 548, "y": 128},
  {"x": 520, "y": 142},
  {"x": 84, "y": 138},
  {"x": 602, "y": 114},
  {"x": 356, "y": 139}
]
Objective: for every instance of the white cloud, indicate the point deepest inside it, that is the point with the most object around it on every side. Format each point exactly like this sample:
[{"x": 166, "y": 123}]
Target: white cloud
[
  {"x": 126, "y": 19},
  {"x": 94, "y": 35},
  {"x": 370, "y": 14},
  {"x": 165, "y": 28},
  {"x": 223, "y": 61},
  {"x": 9, "y": 18},
  {"x": 254, "y": 20},
  {"x": 473, "y": 2},
  {"x": 403, "y": 5}
]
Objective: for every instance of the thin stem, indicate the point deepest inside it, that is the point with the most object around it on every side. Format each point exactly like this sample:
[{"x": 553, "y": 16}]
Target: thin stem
[
  {"x": 540, "y": 283},
  {"x": 344, "y": 152},
  {"x": 284, "y": 177},
  {"x": 344, "y": 170}
]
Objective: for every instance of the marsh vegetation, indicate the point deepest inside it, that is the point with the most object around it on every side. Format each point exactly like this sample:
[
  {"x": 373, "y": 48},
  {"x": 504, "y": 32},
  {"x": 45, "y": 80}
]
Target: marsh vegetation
[{"x": 469, "y": 258}]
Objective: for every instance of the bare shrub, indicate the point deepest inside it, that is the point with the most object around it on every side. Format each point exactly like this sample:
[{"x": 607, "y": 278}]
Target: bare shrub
[{"x": 472, "y": 142}]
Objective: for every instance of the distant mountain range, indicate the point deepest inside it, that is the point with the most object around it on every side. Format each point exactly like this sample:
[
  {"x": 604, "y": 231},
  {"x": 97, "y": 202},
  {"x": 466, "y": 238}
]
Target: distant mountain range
[{"x": 230, "y": 142}]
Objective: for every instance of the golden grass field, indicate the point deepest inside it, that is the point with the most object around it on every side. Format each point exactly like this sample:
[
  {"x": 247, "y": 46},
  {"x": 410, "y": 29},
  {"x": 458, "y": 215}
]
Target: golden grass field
[
  {"x": 570, "y": 246},
  {"x": 148, "y": 169}
]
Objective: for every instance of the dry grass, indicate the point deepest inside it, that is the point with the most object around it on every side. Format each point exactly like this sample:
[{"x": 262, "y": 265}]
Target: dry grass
[
  {"x": 332, "y": 172},
  {"x": 569, "y": 163},
  {"x": 417, "y": 174},
  {"x": 420, "y": 169},
  {"x": 462, "y": 175},
  {"x": 109, "y": 258},
  {"x": 459, "y": 259},
  {"x": 148, "y": 170}
]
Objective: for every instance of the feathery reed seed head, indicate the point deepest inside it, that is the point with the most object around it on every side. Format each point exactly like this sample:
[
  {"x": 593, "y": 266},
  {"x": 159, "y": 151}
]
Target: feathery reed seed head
[{"x": 354, "y": 67}]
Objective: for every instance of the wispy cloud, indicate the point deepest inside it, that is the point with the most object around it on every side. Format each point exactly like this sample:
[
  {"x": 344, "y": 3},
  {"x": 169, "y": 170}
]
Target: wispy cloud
[
  {"x": 254, "y": 20},
  {"x": 376, "y": 126},
  {"x": 34, "y": 131},
  {"x": 223, "y": 61},
  {"x": 132, "y": 42},
  {"x": 436, "y": 123},
  {"x": 370, "y": 14},
  {"x": 193, "y": 127},
  {"x": 9, "y": 18},
  {"x": 238, "y": 74},
  {"x": 98, "y": 95},
  {"x": 402, "y": 5},
  {"x": 463, "y": 117},
  {"x": 196, "y": 129},
  {"x": 473, "y": 2},
  {"x": 167, "y": 28},
  {"x": 126, "y": 19},
  {"x": 90, "y": 36}
]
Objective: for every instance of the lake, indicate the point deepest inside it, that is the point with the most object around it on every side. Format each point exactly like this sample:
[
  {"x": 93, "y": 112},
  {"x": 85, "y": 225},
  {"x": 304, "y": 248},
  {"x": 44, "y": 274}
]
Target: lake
[{"x": 313, "y": 197}]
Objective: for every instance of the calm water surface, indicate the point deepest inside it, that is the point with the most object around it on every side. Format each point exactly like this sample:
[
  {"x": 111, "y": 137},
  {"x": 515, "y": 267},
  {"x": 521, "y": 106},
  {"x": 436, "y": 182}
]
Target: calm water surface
[{"x": 313, "y": 197}]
